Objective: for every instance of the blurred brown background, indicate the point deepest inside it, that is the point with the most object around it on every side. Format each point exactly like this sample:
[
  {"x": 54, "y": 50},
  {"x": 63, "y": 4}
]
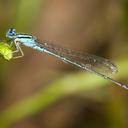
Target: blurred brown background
[{"x": 94, "y": 26}]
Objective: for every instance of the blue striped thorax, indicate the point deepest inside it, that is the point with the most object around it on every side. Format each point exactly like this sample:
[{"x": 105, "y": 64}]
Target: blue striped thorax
[{"x": 25, "y": 39}]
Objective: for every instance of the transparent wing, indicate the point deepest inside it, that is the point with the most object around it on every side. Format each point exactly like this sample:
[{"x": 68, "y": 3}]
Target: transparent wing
[
  {"x": 83, "y": 60},
  {"x": 89, "y": 62}
]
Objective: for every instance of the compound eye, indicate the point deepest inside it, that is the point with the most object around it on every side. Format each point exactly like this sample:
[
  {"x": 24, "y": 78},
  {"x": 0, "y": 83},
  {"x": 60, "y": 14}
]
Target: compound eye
[{"x": 11, "y": 33}]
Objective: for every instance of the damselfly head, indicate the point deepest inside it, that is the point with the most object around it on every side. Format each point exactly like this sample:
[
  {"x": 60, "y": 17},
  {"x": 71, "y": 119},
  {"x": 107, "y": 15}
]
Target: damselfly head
[{"x": 11, "y": 33}]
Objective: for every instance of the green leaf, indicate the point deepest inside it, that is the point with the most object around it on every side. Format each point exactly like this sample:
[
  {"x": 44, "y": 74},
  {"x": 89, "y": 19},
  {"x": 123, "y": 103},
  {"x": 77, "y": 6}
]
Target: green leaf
[{"x": 6, "y": 51}]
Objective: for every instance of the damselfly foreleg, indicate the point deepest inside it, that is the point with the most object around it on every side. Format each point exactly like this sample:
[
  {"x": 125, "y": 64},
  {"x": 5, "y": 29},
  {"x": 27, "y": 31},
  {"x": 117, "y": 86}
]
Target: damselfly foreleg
[{"x": 18, "y": 49}]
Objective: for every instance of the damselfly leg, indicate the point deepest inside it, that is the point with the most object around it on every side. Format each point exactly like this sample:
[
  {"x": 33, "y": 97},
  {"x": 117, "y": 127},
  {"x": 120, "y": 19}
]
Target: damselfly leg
[{"x": 18, "y": 50}]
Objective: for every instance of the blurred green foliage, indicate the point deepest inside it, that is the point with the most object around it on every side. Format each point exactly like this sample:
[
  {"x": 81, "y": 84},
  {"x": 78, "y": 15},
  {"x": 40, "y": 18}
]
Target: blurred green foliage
[
  {"x": 70, "y": 84},
  {"x": 24, "y": 16},
  {"x": 125, "y": 14},
  {"x": 27, "y": 13}
]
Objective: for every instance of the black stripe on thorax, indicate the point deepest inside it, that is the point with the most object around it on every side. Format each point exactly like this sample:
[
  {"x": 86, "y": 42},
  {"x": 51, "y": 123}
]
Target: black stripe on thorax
[{"x": 25, "y": 37}]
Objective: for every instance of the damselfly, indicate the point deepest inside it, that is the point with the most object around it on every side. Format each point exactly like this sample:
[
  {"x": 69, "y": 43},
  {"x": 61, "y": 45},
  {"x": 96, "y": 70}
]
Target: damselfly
[{"x": 89, "y": 62}]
